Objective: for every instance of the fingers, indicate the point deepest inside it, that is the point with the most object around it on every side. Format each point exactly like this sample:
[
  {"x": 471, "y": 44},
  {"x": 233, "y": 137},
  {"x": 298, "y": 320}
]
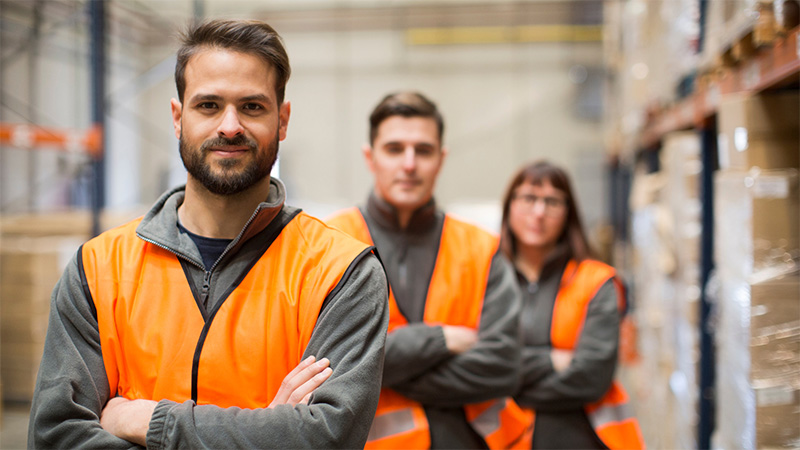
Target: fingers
[
  {"x": 286, "y": 389},
  {"x": 302, "y": 394},
  {"x": 301, "y": 381},
  {"x": 459, "y": 339}
]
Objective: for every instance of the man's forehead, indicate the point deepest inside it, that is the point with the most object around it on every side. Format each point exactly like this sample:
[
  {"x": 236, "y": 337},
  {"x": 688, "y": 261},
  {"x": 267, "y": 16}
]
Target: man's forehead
[
  {"x": 400, "y": 129},
  {"x": 239, "y": 58},
  {"x": 244, "y": 70}
]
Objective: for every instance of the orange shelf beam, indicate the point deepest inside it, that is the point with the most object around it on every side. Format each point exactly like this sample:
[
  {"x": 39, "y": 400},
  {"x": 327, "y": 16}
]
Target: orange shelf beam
[
  {"x": 34, "y": 137},
  {"x": 771, "y": 67}
]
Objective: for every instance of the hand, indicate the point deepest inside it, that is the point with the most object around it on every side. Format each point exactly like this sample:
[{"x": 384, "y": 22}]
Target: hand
[
  {"x": 459, "y": 339},
  {"x": 300, "y": 383},
  {"x": 561, "y": 359},
  {"x": 128, "y": 419}
]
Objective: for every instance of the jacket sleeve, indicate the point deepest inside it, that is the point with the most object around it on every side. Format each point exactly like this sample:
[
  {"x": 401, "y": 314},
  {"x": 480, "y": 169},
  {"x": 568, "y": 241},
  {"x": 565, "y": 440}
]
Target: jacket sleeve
[
  {"x": 412, "y": 350},
  {"x": 591, "y": 372},
  {"x": 351, "y": 332},
  {"x": 72, "y": 386},
  {"x": 536, "y": 364},
  {"x": 488, "y": 370}
]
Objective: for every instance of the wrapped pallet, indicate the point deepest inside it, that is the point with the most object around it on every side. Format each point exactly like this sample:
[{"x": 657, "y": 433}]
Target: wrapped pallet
[{"x": 757, "y": 309}]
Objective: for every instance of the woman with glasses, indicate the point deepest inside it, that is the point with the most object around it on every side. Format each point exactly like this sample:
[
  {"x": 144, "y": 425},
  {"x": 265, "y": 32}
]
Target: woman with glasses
[{"x": 570, "y": 318}]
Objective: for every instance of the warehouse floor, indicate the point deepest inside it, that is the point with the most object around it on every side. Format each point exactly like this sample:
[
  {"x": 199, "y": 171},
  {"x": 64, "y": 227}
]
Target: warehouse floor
[{"x": 14, "y": 426}]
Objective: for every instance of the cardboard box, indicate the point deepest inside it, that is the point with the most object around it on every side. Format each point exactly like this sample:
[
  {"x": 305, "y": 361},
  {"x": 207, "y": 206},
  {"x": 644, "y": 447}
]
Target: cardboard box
[
  {"x": 775, "y": 360},
  {"x": 776, "y": 217},
  {"x": 777, "y": 416},
  {"x": 64, "y": 223},
  {"x": 760, "y": 130},
  {"x": 29, "y": 269}
]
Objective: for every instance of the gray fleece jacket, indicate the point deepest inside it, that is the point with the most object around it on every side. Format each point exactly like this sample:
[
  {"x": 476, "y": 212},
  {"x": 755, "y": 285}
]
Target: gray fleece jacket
[
  {"x": 559, "y": 398},
  {"x": 72, "y": 386},
  {"x": 418, "y": 363}
]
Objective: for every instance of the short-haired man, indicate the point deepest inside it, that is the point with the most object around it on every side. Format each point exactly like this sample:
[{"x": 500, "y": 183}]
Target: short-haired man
[
  {"x": 452, "y": 353},
  {"x": 223, "y": 318}
]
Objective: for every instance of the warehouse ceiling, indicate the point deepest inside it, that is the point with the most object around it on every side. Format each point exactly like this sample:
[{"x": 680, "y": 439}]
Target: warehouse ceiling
[{"x": 147, "y": 21}]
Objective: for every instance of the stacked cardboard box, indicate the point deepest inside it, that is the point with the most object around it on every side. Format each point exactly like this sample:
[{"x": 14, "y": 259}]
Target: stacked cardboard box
[
  {"x": 666, "y": 235},
  {"x": 759, "y": 131},
  {"x": 29, "y": 269},
  {"x": 34, "y": 249},
  {"x": 775, "y": 360},
  {"x": 757, "y": 241},
  {"x": 681, "y": 164}
]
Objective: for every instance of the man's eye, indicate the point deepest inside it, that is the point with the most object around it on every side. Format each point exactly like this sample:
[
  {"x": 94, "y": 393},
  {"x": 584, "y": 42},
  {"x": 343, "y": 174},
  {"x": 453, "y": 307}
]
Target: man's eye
[
  {"x": 424, "y": 151},
  {"x": 252, "y": 107},
  {"x": 207, "y": 105},
  {"x": 394, "y": 149}
]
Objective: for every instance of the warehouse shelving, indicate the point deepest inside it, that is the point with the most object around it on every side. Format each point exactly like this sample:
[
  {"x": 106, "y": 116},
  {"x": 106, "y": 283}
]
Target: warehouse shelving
[
  {"x": 771, "y": 67},
  {"x": 740, "y": 65}
]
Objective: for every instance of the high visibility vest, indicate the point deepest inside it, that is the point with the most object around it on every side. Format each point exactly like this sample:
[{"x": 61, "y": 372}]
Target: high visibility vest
[
  {"x": 157, "y": 344},
  {"x": 610, "y": 417},
  {"x": 455, "y": 297}
]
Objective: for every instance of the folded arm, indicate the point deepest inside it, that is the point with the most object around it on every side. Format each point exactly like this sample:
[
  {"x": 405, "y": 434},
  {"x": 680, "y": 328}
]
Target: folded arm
[
  {"x": 350, "y": 332},
  {"x": 591, "y": 370},
  {"x": 72, "y": 388},
  {"x": 489, "y": 369}
]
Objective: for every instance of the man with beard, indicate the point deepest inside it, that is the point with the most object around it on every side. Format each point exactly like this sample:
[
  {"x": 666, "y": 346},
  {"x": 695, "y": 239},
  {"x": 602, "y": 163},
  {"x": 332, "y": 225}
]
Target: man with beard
[
  {"x": 222, "y": 318},
  {"x": 452, "y": 353}
]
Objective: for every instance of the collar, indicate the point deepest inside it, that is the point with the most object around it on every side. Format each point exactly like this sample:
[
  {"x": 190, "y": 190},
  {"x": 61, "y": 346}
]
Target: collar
[
  {"x": 159, "y": 225},
  {"x": 385, "y": 215},
  {"x": 554, "y": 265}
]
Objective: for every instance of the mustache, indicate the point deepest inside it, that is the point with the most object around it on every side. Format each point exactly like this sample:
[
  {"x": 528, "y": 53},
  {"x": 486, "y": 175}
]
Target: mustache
[{"x": 236, "y": 141}]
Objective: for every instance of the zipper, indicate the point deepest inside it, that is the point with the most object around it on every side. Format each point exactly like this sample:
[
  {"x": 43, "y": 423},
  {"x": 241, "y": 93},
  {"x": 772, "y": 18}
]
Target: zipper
[
  {"x": 206, "y": 286},
  {"x": 206, "y": 273},
  {"x": 232, "y": 244}
]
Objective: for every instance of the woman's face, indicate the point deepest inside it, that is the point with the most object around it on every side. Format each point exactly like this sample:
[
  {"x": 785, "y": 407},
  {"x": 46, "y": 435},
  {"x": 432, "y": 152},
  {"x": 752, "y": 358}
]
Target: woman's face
[{"x": 537, "y": 215}]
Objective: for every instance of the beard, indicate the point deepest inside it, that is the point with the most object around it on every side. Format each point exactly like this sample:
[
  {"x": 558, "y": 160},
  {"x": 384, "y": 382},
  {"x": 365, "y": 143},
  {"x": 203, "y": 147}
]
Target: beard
[{"x": 231, "y": 178}]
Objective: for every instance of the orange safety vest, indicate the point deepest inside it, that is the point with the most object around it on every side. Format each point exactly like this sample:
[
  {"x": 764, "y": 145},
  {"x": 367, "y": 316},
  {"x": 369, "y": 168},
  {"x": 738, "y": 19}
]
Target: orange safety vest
[
  {"x": 610, "y": 417},
  {"x": 455, "y": 297},
  {"x": 157, "y": 344}
]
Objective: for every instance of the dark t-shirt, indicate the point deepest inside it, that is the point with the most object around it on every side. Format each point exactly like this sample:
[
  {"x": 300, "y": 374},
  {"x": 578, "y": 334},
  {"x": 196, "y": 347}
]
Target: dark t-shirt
[{"x": 210, "y": 248}]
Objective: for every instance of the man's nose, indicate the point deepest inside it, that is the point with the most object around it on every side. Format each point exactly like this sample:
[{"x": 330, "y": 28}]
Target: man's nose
[
  {"x": 409, "y": 159},
  {"x": 230, "y": 126}
]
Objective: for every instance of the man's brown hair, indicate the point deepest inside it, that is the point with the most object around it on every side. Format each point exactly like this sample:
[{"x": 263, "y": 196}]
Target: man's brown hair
[
  {"x": 245, "y": 36},
  {"x": 406, "y": 104}
]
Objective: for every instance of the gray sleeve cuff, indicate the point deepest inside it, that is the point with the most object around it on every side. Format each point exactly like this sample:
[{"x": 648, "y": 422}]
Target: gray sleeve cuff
[{"x": 157, "y": 432}]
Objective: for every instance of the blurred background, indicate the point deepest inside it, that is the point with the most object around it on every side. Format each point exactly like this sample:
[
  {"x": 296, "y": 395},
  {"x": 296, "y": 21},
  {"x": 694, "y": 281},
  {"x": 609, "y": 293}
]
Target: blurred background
[{"x": 677, "y": 119}]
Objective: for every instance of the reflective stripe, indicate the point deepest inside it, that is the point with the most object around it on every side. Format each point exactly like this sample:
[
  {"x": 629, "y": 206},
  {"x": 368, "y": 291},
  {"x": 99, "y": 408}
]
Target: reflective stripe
[
  {"x": 608, "y": 414},
  {"x": 392, "y": 423},
  {"x": 488, "y": 421}
]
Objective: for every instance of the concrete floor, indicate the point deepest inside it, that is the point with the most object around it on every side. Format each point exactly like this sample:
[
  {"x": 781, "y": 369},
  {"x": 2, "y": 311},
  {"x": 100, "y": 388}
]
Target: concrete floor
[{"x": 14, "y": 426}]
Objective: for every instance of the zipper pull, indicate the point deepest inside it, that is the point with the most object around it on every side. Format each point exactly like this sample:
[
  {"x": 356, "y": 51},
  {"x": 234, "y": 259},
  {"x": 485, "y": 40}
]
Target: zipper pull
[{"x": 206, "y": 285}]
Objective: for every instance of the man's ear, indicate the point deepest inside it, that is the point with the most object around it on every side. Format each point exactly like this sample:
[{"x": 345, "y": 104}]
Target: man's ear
[
  {"x": 366, "y": 152},
  {"x": 177, "y": 112},
  {"x": 283, "y": 114}
]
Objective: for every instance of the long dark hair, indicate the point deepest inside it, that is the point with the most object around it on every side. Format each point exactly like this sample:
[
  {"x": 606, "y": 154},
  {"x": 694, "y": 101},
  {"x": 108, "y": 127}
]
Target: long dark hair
[{"x": 572, "y": 242}]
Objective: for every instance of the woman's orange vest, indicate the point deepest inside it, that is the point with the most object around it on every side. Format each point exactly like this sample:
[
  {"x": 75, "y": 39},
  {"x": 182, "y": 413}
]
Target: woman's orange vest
[
  {"x": 610, "y": 417},
  {"x": 157, "y": 344},
  {"x": 455, "y": 297}
]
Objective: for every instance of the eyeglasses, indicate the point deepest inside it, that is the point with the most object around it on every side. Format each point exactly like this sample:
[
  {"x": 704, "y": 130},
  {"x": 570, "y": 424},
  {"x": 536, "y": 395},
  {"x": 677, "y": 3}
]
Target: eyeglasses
[{"x": 552, "y": 205}]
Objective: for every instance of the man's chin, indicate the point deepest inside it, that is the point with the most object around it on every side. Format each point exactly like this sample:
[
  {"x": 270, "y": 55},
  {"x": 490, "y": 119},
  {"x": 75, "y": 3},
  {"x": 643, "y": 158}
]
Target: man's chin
[{"x": 407, "y": 201}]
